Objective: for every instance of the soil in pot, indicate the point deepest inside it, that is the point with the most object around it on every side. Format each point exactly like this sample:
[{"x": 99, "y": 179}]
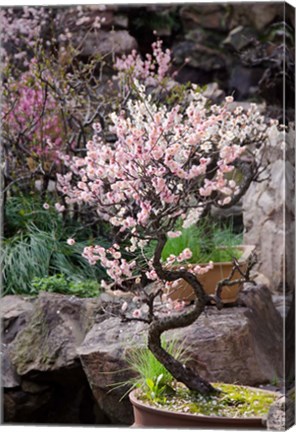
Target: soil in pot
[{"x": 235, "y": 407}]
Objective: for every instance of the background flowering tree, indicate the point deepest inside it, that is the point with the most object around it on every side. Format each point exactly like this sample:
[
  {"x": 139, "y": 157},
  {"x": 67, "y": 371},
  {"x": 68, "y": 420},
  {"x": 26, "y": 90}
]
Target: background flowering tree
[
  {"x": 166, "y": 164},
  {"x": 50, "y": 100}
]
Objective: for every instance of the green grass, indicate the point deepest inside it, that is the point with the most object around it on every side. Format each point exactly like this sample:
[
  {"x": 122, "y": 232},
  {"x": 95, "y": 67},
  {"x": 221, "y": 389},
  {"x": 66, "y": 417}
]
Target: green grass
[
  {"x": 210, "y": 243},
  {"x": 233, "y": 401},
  {"x": 150, "y": 375},
  {"x": 145, "y": 364},
  {"x": 36, "y": 246}
]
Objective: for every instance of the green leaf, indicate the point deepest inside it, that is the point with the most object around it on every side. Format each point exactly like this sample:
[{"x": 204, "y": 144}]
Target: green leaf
[{"x": 150, "y": 383}]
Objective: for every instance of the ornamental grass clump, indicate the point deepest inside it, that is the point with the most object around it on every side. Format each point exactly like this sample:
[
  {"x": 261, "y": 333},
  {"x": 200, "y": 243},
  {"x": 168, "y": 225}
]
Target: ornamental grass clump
[
  {"x": 151, "y": 377},
  {"x": 166, "y": 163}
]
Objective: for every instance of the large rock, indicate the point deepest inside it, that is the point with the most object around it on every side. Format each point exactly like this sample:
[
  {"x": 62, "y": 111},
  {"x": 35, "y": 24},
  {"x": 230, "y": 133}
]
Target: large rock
[
  {"x": 281, "y": 415},
  {"x": 209, "y": 16},
  {"x": 257, "y": 15},
  {"x": 238, "y": 344},
  {"x": 43, "y": 379},
  {"x": 14, "y": 312},
  {"x": 18, "y": 404},
  {"x": 224, "y": 343},
  {"x": 198, "y": 56},
  {"x": 268, "y": 213},
  {"x": 115, "y": 42},
  {"x": 103, "y": 356},
  {"x": 57, "y": 325}
]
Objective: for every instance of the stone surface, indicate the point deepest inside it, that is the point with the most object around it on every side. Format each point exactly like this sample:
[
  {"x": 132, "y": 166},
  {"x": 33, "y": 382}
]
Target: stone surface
[
  {"x": 257, "y": 15},
  {"x": 56, "y": 327},
  {"x": 14, "y": 312},
  {"x": 238, "y": 344},
  {"x": 208, "y": 16},
  {"x": 102, "y": 354},
  {"x": 43, "y": 379},
  {"x": 114, "y": 42},
  {"x": 263, "y": 213},
  {"x": 9, "y": 377},
  {"x": 281, "y": 415},
  {"x": 22, "y": 407},
  {"x": 239, "y": 37},
  {"x": 225, "y": 342},
  {"x": 198, "y": 55}
]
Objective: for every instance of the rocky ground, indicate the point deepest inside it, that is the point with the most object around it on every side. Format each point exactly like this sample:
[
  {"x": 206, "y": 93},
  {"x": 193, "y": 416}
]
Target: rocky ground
[{"x": 61, "y": 355}]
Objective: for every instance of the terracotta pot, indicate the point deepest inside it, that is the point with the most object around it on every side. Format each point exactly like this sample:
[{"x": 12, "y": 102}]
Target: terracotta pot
[
  {"x": 183, "y": 291},
  {"x": 146, "y": 415}
]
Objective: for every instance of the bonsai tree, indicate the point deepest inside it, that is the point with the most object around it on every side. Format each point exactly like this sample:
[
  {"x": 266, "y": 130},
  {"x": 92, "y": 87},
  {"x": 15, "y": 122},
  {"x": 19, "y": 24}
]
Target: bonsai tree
[{"x": 166, "y": 163}]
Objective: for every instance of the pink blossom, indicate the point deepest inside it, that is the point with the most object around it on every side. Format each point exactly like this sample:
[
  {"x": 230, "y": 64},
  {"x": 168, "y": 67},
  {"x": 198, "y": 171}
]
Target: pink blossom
[
  {"x": 151, "y": 71},
  {"x": 200, "y": 270},
  {"x": 171, "y": 259},
  {"x": 60, "y": 208},
  {"x": 71, "y": 241},
  {"x": 186, "y": 254},
  {"x": 179, "y": 305},
  {"x": 137, "y": 313},
  {"x": 174, "y": 234},
  {"x": 152, "y": 275},
  {"x": 104, "y": 284},
  {"x": 124, "y": 306}
]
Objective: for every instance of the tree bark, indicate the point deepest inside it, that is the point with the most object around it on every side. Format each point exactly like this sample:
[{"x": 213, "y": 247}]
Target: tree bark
[{"x": 180, "y": 372}]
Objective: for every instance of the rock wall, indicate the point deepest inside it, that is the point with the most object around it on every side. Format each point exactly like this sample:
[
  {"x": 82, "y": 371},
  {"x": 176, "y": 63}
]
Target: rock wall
[
  {"x": 63, "y": 357},
  {"x": 269, "y": 213},
  {"x": 209, "y": 42}
]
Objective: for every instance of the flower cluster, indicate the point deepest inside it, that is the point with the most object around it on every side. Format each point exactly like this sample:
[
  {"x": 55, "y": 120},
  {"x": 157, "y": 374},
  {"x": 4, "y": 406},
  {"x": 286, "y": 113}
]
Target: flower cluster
[
  {"x": 116, "y": 266},
  {"x": 23, "y": 30},
  {"x": 165, "y": 163},
  {"x": 33, "y": 114},
  {"x": 150, "y": 71}
]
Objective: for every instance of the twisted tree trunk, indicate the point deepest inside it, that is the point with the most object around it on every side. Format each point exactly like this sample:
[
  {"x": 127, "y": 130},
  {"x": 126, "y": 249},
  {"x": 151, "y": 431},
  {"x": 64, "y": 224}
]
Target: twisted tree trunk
[{"x": 180, "y": 372}]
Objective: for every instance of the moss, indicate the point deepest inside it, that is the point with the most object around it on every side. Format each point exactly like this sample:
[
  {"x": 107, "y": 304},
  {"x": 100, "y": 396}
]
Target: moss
[
  {"x": 232, "y": 401},
  {"x": 32, "y": 345}
]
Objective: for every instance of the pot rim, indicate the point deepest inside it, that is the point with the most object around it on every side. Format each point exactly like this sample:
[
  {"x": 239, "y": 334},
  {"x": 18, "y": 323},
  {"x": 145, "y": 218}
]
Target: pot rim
[
  {"x": 246, "y": 249},
  {"x": 214, "y": 419}
]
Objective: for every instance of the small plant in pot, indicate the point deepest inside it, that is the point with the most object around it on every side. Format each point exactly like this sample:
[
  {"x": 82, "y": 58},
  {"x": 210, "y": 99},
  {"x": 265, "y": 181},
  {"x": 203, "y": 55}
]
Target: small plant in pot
[
  {"x": 209, "y": 243},
  {"x": 167, "y": 163},
  {"x": 164, "y": 402}
]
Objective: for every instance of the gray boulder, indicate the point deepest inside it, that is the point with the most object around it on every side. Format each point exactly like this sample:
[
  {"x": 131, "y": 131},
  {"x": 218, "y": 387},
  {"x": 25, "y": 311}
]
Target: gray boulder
[
  {"x": 269, "y": 213},
  {"x": 281, "y": 415},
  {"x": 14, "y": 312},
  {"x": 103, "y": 356},
  {"x": 57, "y": 325},
  {"x": 43, "y": 379},
  {"x": 115, "y": 42}
]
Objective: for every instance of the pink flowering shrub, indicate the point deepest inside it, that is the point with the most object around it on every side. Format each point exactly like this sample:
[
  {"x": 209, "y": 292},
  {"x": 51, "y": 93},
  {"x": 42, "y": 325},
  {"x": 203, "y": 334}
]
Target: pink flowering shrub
[
  {"x": 28, "y": 28},
  {"x": 166, "y": 164},
  {"x": 48, "y": 103},
  {"x": 151, "y": 71},
  {"x": 32, "y": 114},
  {"x": 22, "y": 30}
]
